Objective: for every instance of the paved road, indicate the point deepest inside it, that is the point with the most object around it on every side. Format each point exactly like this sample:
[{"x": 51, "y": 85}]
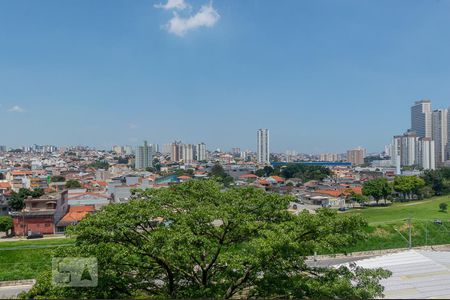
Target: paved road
[
  {"x": 322, "y": 263},
  {"x": 11, "y": 292}
]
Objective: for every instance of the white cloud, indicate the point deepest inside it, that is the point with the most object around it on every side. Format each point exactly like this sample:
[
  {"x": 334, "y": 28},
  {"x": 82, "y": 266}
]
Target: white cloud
[
  {"x": 16, "y": 108},
  {"x": 132, "y": 126},
  {"x": 173, "y": 4},
  {"x": 207, "y": 16}
]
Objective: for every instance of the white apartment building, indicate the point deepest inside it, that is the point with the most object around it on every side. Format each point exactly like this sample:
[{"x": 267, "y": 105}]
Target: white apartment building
[
  {"x": 144, "y": 157},
  {"x": 421, "y": 118},
  {"x": 440, "y": 135},
  {"x": 262, "y": 141}
]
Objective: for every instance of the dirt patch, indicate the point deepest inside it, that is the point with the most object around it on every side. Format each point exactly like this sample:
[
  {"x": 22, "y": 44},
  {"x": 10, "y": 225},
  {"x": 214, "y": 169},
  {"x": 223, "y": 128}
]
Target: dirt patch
[
  {"x": 405, "y": 227},
  {"x": 417, "y": 203},
  {"x": 380, "y": 232}
]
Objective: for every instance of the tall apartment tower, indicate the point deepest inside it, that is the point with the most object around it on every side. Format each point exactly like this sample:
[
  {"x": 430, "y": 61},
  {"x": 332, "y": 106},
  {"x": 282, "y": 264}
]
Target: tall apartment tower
[
  {"x": 200, "y": 152},
  {"x": 440, "y": 135},
  {"x": 262, "y": 140},
  {"x": 144, "y": 157},
  {"x": 426, "y": 154},
  {"x": 176, "y": 151},
  {"x": 187, "y": 153},
  {"x": 356, "y": 156},
  {"x": 421, "y": 118}
]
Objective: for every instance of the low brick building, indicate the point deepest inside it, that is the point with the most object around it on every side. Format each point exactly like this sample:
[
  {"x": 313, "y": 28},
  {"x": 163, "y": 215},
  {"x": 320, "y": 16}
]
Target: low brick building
[{"x": 40, "y": 215}]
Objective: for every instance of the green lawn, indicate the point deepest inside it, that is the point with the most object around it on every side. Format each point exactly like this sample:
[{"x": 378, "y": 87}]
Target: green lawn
[
  {"x": 419, "y": 210},
  {"x": 26, "y": 259},
  {"x": 389, "y": 226}
]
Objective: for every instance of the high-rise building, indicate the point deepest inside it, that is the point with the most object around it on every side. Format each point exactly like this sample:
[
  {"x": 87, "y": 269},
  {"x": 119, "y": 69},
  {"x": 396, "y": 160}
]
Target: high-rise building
[
  {"x": 167, "y": 149},
  {"x": 328, "y": 157},
  {"x": 176, "y": 151},
  {"x": 421, "y": 116},
  {"x": 118, "y": 149},
  {"x": 356, "y": 156},
  {"x": 155, "y": 148},
  {"x": 408, "y": 147},
  {"x": 200, "y": 152},
  {"x": 413, "y": 151},
  {"x": 128, "y": 150},
  {"x": 144, "y": 157},
  {"x": 426, "y": 154},
  {"x": 2, "y": 149},
  {"x": 440, "y": 135},
  {"x": 263, "y": 153},
  {"x": 187, "y": 153}
]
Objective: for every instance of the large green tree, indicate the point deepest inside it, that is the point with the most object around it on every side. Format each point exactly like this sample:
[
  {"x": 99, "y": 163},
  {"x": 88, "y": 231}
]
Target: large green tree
[
  {"x": 303, "y": 171},
  {"x": 218, "y": 173},
  {"x": 73, "y": 184},
  {"x": 196, "y": 240},
  {"x": 6, "y": 224},
  {"x": 408, "y": 185},
  {"x": 378, "y": 189},
  {"x": 16, "y": 199},
  {"x": 438, "y": 180}
]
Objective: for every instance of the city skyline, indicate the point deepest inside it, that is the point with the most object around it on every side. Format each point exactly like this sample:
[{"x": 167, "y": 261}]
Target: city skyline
[{"x": 331, "y": 77}]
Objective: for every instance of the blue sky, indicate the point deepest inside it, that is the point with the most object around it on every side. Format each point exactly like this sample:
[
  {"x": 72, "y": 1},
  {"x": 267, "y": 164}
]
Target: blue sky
[{"x": 322, "y": 75}]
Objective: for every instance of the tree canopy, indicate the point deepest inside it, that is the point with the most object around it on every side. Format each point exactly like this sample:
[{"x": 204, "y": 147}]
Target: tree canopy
[
  {"x": 99, "y": 164},
  {"x": 218, "y": 173},
  {"x": 73, "y": 184},
  {"x": 378, "y": 189},
  {"x": 303, "y": 172},
  {"x": 16, "y": 199},
  {"x": 196, "y": 240},
  {"x": 58, "y": 178},
  {"x": 408, "y": 185},
  {"x": 6, "y": 223}
]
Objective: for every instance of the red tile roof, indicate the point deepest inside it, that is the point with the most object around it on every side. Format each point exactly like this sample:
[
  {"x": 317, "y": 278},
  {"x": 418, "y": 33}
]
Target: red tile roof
[
  {"x": 76, "y": 214},
  {"x": 248, "y": 176},
  {"x": 277, "y": 178},
  {"x": 5, "y": 185}
]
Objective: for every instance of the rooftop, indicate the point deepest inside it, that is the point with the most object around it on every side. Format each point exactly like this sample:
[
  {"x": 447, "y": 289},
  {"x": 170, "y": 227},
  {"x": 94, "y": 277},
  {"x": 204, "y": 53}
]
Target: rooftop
[{"x": 415, "y": 274}]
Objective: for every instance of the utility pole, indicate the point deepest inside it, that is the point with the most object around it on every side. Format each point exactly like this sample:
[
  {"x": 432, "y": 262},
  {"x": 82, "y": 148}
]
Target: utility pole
[{"x": 410, "y": 233}]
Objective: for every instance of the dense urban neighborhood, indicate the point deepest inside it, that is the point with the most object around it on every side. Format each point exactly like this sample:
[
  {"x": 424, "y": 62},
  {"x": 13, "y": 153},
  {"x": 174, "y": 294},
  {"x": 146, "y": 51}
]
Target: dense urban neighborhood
[{"x": 220, "y": 149}]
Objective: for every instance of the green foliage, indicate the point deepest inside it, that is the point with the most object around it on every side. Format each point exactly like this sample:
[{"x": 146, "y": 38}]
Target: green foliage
[
  {"x": 354, "y": 197},
  {"x": 265, "y": 172},
  {"x": 58, "y": 178},
  {"x": 6, "y": 224},
  {"x": 195, "y": 240},
  {"x": 408, "y": 185},
  {"x": 303, "y": 172},
  {"x": 157, "y": 164},
  {"x": 443, "y": 206},
  {"x": 26, "y": 259},
  {"x": 150, "y": 169},
  {"x": 122, "y": 160},
  {"x": 217, "y": 172},
  {"x": 438, "y": 180},
  {"x": 100, "y": 164},
  {"x": 378, "y": 188},
  {"x": 426, "y": 192},
  {"x": 16, "y": 200},
  {"x": 73, "y": 184}
]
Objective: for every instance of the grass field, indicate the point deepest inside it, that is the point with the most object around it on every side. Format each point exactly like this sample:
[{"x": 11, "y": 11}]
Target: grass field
[
  {"x": 389, "y": 225},
  {"x": 419, "y": 210},
  {"x": 26, "y": 259},
  {"x": 388, "y": 228}
]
